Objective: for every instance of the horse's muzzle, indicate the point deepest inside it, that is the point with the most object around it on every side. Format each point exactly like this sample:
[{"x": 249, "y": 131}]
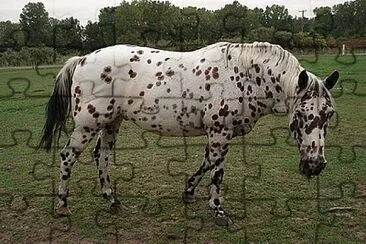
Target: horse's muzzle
[{"x": 312, "y": 167}]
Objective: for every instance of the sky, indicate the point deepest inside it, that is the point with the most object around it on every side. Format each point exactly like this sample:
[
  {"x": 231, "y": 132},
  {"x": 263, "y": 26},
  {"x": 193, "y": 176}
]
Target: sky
[{"x": 85, "y": 10}]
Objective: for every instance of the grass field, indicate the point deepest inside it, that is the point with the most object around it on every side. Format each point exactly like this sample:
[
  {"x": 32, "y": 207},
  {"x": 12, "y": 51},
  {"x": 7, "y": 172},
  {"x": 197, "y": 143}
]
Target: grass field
[{"x": 269, "y": 201}]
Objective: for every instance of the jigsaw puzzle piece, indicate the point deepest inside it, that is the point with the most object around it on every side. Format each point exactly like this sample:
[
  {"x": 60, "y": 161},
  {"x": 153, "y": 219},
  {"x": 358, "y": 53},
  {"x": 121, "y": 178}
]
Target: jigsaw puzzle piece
[
  {"x": 21, "y": 87},
  {"x": 187, "y": 159},
  {"x": 47, "y": 175},
  {"x": 231, "y": 188},
  {"x": 304, "y": 218},
  {"x": 48, "y": 72},
  {"x": 16, "y": 164},
  {"x": 13, "y": 208},
  {"x": 15, "y": 86},
  {"x": 346, "y": 155},
  {"x": 139, "y": 138},
  {"x": 27, "y": 82},
  {"x": 87, "y": 190},
  {"x": 171, "y": 212},
  {"x": 164, "y": 211},
  {"x": 359, "y": 89},
  {"x": 349, "y": 86},
  {"x": 349, "y": 60},
  {"x": 17, "y": 140},
  {"x": 30, "y": 199},
  {"x": 345, "y": 152},
  {"x": 22, "y": 210},
  {"x": 261, "y": 189},
  {"x": 235, "y": 168},
  {"x": 345, "y": 214},
  {"x": 12, "y": 120},
  {"x": 303, "y": 59},
  {"x": 120, "y": 174}
]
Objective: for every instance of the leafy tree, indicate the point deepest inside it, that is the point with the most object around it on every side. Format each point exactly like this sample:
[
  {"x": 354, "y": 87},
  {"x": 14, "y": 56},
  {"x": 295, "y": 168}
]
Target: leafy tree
[
  {"x": 7, "y": 34},
  {"x": 93, "y": 36},
  {"x": 233, "y": 20},
  {"x": 253, "y": 19},
  {"x": 300, "y": 24},
  {"x": 10, "y": 58},
  {"x": 107, "y": 24},
  {"x": 309, "y": 40},
  {"x": 128, "y": 23},
  {"x": 283, "y": 38},
  {"x": 35, "y": 21},
  {"x": 208, "y": 29},
  {"x": 344, "y": 20},
  {"x": 194, "y": 28},
  {"x": 323, "y": 21},
  {"x": 359, "y": 7},
  {"x": 68, "y": 34},
  {"x": 161, "y": 19},
  {"x": 161, "y": 24},
  {"x": 143, "y": 22},
  {"x": 277, "y": 16},
  {"x": 261, "y": 34},
  {"x": 303, "y": 40}
]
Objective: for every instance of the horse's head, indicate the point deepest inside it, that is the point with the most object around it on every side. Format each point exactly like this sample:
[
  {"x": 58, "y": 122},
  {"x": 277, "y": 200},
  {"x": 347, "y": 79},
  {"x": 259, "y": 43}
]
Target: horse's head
[{"x": 313, "y": 107}]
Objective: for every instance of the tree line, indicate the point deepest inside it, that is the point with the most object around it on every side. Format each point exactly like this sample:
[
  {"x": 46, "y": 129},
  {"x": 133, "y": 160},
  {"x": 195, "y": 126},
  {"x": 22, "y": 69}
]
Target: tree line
[{"x": 40, "y": 39}]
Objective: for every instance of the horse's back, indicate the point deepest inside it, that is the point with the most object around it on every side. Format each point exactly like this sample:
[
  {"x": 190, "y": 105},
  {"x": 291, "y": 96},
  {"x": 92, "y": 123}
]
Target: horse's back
[{"x": 120, "y": 55}]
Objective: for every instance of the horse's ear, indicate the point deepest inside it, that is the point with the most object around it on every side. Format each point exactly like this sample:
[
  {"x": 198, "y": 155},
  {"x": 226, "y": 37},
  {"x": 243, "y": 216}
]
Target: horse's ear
[
  {"x": 303, "y": 79},
  {"x": 331, "y": 80}
]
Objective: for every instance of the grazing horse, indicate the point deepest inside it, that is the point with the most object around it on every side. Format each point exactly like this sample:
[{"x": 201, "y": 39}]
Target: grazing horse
[{"x": 219, "y": 91}]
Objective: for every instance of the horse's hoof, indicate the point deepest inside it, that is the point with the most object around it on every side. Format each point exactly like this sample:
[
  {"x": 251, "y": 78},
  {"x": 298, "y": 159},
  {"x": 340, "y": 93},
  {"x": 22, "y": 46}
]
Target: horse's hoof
[
  {"x": 223, "y": 221},
  {"x": 188, "y": 198},
  {"x": 116, "y": 207},
  {"x": 63, "y": 211}
]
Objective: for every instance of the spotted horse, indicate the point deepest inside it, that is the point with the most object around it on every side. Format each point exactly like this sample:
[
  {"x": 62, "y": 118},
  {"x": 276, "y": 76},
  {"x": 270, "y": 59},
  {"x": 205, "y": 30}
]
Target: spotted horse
[{"x": 219, "y": 91}]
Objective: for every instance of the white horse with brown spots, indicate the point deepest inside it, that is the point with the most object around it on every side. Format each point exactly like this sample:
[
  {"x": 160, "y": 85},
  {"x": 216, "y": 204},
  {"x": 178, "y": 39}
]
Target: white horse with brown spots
[{"x": 219, "y": 91}]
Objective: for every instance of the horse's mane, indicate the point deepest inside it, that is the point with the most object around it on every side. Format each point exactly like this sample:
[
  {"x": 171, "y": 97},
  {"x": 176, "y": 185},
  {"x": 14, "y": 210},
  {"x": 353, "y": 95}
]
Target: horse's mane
[
  {"x": 279, "y": 59},
  {"x": 275, "y": 57}
]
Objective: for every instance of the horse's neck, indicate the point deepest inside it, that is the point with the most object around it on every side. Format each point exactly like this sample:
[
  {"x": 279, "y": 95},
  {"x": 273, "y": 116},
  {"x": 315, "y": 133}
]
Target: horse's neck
[
  {"x": 277, "y": 73},
  {"x": 274, "y": 101},
  {"x": 269, "y": 90}
]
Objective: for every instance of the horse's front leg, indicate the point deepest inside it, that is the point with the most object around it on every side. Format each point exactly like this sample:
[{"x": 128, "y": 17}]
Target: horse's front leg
[
  {"x": 188, "y": 195},
  {"x": 219, "y": 140}
]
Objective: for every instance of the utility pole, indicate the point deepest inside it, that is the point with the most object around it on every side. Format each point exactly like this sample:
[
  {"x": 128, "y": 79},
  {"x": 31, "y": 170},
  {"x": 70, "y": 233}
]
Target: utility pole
[{"x": 302, "y": 19}]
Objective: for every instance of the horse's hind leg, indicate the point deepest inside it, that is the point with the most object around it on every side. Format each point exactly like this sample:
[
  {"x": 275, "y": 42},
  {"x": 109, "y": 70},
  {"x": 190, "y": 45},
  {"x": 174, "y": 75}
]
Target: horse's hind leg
[
  {"x": 219, "y": 141},
  {"x": 188, "y": 195},
  {"x": 77, "y": 142},
  {"x": 102, "y": 154}
]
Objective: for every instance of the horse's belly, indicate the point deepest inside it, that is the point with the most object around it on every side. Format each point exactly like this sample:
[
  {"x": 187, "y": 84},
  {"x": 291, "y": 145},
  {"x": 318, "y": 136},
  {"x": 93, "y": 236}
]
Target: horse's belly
[
  {"x": 169, "y": 117},
  {"x": 170, "y": 129}
]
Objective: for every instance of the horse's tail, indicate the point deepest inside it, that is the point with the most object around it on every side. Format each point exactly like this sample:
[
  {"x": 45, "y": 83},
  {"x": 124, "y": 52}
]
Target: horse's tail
[{"x": 58, "y": 107}]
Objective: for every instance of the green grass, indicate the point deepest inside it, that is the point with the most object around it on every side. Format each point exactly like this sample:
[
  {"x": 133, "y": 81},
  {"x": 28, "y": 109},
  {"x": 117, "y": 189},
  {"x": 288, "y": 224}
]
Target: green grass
[{"x": 268, "y": 199}]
